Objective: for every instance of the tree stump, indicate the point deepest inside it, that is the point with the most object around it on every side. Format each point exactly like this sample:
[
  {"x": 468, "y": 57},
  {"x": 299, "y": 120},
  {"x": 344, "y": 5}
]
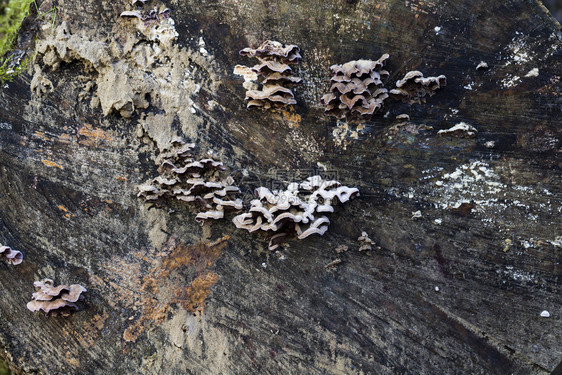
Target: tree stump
[{"x": 460, "y": 200}]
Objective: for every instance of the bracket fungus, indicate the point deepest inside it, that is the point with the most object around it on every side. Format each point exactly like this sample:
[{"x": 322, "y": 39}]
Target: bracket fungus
[
  {"x": 299, "y": 209},
  {"x": 357, "y": 88},
  {"x": 414, "y": 87},
  {"x": 13, "y": 257},
  {"x": 200, "y": 182},
  {"x": 275, "y": 73},
  {"x": 62, "y": 298}
]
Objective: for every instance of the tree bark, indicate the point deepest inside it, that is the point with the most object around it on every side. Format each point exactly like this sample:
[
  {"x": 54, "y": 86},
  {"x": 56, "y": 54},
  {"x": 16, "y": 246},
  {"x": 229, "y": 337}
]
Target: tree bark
[{"x": 457, "y": 288}]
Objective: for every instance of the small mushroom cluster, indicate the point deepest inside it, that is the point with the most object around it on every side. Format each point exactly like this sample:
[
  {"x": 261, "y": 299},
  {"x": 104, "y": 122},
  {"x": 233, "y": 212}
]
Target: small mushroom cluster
[
  {"x": 357, "y": 88},
  {"x": 414, "y": 87},
  {"x": 13, "y": 257},
  {"x": 62, "y": 298},
  {"x": 201, "y": 182},
  {"x": 276, "y": 74},
  {"x": 300, "y": 209}
]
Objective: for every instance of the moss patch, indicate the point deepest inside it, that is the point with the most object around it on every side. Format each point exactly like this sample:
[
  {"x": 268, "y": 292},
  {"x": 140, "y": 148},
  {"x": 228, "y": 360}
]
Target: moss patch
[
  {"x": 12, "y": 15},
  {"x": 4, "y": 370}
]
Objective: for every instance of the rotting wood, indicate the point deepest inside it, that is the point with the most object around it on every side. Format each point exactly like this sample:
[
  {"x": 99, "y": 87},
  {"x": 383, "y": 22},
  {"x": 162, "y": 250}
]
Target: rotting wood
[{"x": 460, "y": 289}]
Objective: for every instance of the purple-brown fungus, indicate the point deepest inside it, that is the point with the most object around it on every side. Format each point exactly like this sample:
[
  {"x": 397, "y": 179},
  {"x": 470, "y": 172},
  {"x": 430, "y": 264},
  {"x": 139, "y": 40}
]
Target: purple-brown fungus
[
  {"x": 12, "y": 256},
  {"x": 301, "y": 209},
  {"x": 61, "y": 298},
  {"x": 357, "y": 88},
  {"x": 273, "y": 72},
  {"x": 414, "y": 87},
  {"x": 200, "y": 182}
]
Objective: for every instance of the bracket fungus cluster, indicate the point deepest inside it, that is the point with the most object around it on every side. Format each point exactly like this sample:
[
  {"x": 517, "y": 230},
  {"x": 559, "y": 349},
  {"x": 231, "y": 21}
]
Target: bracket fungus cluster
[
  {"x": 62, "y": 298},
  {"x": 13, "y": 257},
  {"x": 275, "y": 72},
  {"x": 357, "y": 88},
  {"x": 414, "y": 87},
  {"x": 300, "y": 209},
  {"x": 201, "y": 182}
]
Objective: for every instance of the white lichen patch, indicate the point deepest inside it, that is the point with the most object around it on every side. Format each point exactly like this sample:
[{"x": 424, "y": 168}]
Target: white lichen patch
[
  {"x": 557, "y": 241},
  {"x": 480, "y": 184},
  {"x": 519, "y": 50},
  {"x": 343, "y": 134},
  {"x": 482, "y": 65},
  {"x": 460, "y": 128},
  {"x": 532, "y": 73},
  {"x": 163, "y": 32},
  {"x": 202, "y": 46},
  {"x": 469, "y": 182},
  {"x": 510, "y": 81},
  {"x": 249, "y": 75},
  {"x": 519, "y": 276}
]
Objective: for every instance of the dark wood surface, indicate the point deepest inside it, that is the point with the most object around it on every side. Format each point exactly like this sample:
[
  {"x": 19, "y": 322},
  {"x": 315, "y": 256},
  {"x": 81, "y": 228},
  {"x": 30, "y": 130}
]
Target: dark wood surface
[{"x": 459, "y": 290}]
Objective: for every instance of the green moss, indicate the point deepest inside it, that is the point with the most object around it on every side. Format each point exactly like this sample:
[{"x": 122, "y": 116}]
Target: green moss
[
  {"x": 12, "y": 15},
  {"x": 4, "y": 370}
]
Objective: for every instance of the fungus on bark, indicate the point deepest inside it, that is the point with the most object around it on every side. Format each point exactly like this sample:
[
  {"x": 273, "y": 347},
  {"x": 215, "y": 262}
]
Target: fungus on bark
[
  {"x": 357, "y": 88},
  {"x": 201, "y": 182},
  {"x": 414, "y": 87},
  {"x": 13, "y": 257},
  {"x": 275, "y": 73},
  {"x": 300, "y": 209},
  {"x": 61, "y": 298}
]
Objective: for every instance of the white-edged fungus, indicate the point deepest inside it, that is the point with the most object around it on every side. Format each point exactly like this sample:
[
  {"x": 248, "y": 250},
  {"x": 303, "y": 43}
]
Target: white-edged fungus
[
  {"x": 462, "y": 129},
  {"x": 298, "y": 210},
  {"x": 200, "y": 182},
  {"x": 357, "y": 88},
  {"x": 414, "y": 87},
  {"x": 275, "y": 72},
  {"x": 62, "y": 298},
  {"x": 482, "y": 65}
]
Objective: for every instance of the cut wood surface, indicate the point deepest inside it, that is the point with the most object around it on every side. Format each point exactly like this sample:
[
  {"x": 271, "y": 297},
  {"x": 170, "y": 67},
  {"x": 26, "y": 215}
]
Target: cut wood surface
[{"x": 460, "y": 200}]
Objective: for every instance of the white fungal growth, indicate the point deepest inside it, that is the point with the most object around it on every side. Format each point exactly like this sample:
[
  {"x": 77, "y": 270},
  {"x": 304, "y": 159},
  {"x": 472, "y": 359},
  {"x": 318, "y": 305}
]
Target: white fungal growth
[
  {"x": 532, "y": 73},
  {"x": 482, "y": 65},
  {"x": 459, "y": 129}
]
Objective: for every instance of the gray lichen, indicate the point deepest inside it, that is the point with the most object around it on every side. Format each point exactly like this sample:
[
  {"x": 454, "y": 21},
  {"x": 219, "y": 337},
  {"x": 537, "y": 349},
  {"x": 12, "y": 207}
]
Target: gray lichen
[{"x": 122, "y": 74}]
